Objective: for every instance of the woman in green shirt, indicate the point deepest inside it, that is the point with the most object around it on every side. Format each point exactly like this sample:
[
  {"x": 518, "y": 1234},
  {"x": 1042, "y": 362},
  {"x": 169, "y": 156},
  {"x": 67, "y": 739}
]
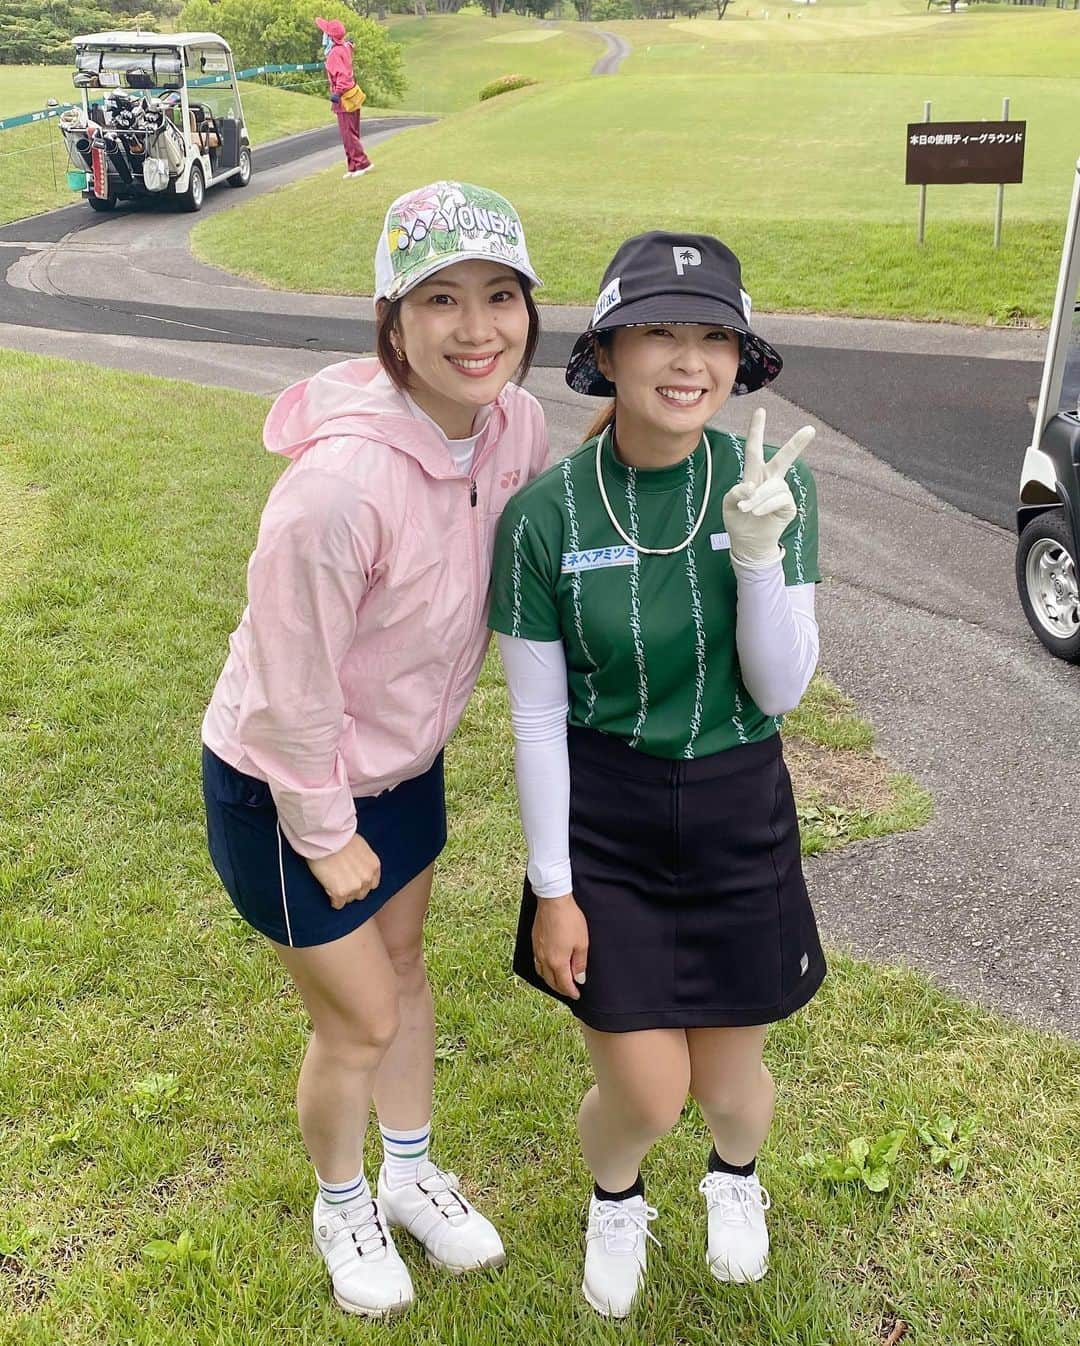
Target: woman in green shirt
[{"x": 654, "y": 599}]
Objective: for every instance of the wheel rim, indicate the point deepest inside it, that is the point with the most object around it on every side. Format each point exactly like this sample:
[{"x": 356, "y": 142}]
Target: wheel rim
[
  {"x": 245, "y": 166},
  {"x": 196, "y": 186},
  {"x": 1052, "y": 588}
]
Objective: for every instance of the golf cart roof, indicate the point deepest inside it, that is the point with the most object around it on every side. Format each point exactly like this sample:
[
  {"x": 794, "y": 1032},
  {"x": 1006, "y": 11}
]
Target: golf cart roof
[{"x": 154, "y": 41}]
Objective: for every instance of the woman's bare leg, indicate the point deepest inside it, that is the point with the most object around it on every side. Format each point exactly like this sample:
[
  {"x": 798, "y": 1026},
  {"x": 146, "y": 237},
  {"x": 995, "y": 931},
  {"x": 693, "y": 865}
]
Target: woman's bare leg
[
  {"x": 349, "y": 988},
  {"x": 641, "y": 1085},
  {"x": 406, "y": 1073},
  {"x": 733, "y": 1088}
]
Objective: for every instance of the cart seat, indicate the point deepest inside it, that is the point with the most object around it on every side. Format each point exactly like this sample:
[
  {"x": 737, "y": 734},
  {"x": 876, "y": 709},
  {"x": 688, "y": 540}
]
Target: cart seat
[{"x": 209, "y": 138}]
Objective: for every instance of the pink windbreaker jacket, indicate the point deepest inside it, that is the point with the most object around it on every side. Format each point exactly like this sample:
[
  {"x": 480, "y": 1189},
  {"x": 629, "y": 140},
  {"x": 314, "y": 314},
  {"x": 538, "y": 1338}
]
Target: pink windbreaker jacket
[
  {"x": 339, "y": 67},
  {"x": 366, "y": 622}
]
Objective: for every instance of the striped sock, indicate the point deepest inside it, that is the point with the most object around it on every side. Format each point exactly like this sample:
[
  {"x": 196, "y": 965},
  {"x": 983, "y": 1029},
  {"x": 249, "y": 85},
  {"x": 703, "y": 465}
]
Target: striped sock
[
  {"x": 403, "y": 1153},
  {"x": 341, "y": 1193}
]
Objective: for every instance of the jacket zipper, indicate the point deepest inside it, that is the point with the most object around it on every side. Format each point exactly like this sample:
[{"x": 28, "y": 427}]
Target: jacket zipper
[{"x": 455, "y": 670}]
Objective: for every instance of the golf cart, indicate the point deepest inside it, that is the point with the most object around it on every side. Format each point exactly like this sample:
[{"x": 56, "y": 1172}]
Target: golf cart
[
  {"x": 160, "y": 115},
  {"x": 1048, "y": 517}
]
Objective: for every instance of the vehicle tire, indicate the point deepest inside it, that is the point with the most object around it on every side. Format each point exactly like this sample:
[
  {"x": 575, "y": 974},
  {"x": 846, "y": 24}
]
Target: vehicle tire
[
  {"x": 242, "y": 178},
  {"x": 1046, "y": 579},
  {"x": 195, "y": 195},
  {"x": 101, "y": 203}
]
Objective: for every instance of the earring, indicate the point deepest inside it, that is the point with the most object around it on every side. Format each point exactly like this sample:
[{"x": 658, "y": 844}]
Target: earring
[{"x": 399, "y": 353}]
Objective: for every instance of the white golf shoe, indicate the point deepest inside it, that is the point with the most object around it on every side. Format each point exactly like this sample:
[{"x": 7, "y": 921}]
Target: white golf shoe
[
  {"x": 616, "y": 1253},
  {"x": 365, "y": 1269},
  {"x": 455, "y": 1236},
  {"x": 738, "y": 1247}
]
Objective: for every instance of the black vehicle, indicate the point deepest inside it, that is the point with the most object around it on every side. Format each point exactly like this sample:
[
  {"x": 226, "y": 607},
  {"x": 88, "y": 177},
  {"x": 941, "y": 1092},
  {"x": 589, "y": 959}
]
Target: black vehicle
[{"x": 1048, "y": 517}]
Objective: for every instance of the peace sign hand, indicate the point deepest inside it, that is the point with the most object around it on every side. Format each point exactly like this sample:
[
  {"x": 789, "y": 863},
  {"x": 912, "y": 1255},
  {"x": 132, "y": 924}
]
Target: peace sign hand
[{"x": 759, "y": 507}]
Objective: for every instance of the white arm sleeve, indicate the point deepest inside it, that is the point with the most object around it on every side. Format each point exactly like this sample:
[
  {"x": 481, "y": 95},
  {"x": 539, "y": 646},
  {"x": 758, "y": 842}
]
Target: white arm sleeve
[
  {"x": 776, "y": 635},
  {"x": 536, "y": 679}
]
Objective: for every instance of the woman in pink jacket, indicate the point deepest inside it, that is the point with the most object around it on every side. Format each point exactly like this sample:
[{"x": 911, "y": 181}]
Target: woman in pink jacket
[
  {"x": 362, "y": 639},
  {"x": 338, "y": 51}
]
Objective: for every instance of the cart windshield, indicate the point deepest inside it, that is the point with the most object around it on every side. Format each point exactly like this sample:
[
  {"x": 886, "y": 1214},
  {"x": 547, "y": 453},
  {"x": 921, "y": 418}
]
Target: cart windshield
[
  {"x": 119, "y": 68},
  {"x": 211, "y": 86}
]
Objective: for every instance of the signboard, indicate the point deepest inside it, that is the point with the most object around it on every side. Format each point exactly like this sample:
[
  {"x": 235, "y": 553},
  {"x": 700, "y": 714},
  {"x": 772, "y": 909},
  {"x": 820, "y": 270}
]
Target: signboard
[{"x": 953, "y": 152}]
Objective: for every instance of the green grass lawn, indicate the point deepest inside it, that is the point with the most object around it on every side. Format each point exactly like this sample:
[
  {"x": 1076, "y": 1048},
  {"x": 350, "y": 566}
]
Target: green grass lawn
[
  {"x": 785, "y": 136},
  {"x": 33, "y": 162},
  {"x": 24, "y": 88},
  {"x": 450, "y": 57},
  {"x": 151, "y": 1041},
  {"x": 815, "y": 205},
  {"x": 867, "y": 36}
]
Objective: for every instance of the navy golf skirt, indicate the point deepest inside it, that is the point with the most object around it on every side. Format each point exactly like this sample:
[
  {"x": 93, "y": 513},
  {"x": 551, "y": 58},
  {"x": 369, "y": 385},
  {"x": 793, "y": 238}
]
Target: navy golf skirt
[
  {"x": 690, "y": 878},
  {"x": 271, "y": 885}
]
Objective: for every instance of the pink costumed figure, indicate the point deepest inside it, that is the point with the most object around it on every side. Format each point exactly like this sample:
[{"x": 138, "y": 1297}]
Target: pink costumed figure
[{"x": 338, "y": 51}]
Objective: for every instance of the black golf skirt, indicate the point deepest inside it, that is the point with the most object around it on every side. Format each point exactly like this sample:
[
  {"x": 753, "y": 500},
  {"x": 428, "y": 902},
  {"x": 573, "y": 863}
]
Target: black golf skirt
[{"x": 690, "y": 879}]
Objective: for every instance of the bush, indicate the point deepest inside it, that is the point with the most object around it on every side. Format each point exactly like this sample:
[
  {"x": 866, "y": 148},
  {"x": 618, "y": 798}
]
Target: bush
[
  {"x": 504, "y": 84},
  {"x": 277, "y": 32}
]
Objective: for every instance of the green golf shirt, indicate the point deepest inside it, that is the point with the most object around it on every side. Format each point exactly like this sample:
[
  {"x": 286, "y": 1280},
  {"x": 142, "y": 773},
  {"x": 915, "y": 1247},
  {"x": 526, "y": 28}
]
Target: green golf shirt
[{"x": 650, "y": 640}]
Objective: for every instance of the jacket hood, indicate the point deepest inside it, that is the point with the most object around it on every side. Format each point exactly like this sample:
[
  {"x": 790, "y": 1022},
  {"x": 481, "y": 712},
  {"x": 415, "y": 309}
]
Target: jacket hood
[{"x": 356, "y": 397}]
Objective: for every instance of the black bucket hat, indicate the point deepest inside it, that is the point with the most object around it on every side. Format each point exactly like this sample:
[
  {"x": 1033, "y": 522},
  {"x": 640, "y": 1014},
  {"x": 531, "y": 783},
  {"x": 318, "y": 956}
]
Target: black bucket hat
[{"x": 673, "y": 278}]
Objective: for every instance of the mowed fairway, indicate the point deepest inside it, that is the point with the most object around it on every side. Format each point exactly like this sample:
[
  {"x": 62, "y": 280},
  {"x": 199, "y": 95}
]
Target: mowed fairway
[
  {"x": 866, "y": 36},
  {"x": 802, "y": 174},
  {"x": 784, "y": 135},
  {"x": 450, "y": 57},
  {"x": 151, "y": 1040}
]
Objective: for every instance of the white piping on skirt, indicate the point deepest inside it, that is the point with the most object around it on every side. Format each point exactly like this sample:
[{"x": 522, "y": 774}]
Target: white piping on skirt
[{"x": 284, "y": 899}]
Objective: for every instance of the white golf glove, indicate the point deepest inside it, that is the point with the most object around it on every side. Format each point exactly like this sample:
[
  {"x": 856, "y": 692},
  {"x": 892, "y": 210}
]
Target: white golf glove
[{"x": 759, "y": 508}]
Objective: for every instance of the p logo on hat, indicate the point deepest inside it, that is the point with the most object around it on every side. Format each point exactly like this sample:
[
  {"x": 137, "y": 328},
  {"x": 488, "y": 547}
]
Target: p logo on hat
[
  {"x": 684, "y": 257},
  {"x": 669, "y": 279}
]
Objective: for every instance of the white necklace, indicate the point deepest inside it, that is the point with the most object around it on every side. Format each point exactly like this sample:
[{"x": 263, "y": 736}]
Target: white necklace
[{"x": 655, "y": 551}]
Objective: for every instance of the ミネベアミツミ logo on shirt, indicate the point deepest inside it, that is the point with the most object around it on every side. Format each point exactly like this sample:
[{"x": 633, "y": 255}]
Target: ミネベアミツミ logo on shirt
[{"x": 598, "y": 558}]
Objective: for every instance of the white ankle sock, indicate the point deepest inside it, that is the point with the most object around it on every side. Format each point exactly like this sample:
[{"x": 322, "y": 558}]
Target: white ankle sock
[
  {"x": 404, "y": 1152},
  {"x": 341, "y": 1193}
]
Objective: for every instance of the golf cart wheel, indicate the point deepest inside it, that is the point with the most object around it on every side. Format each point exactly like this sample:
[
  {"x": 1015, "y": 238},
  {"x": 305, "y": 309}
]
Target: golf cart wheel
[
  {"x": 1046, "y": 577},
  {"x": 242, "y": 178},
  {"x": 101, "y": 203},
  {"x": 193, "y": 198}
]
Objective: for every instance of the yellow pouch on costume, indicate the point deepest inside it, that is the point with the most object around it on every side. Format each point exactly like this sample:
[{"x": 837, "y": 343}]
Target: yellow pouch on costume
[{"x": 352, "y": 100}]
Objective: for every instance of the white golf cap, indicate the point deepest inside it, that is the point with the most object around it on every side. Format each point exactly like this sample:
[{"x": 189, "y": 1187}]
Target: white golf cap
[{"x": 444, "y": 223}]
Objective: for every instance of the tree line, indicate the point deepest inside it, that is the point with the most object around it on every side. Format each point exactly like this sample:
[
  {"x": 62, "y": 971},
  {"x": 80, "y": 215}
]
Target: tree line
[{"x": 34, "y": 32}]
